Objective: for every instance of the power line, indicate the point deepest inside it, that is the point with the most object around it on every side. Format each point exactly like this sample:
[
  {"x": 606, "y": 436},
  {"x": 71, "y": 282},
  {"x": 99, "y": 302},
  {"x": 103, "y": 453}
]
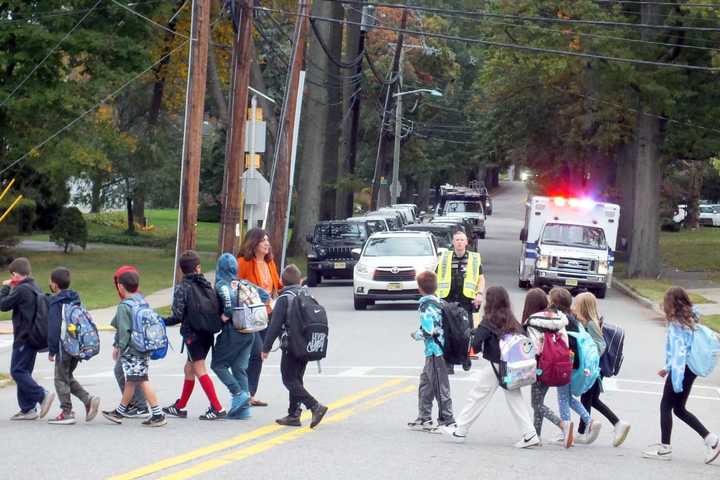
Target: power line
[
  {"x": 150, "y": 20},
  {"x": 52, "y": 50},
  {"x": 513, "y": 46},
  {"x": 344, "y": 65},
  {"x": 668, "y": 4},
  {"x": 65, "y": 13}
]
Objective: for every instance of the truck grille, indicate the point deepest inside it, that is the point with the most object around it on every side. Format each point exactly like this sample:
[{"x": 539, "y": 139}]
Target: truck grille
[
  {"x": 402, "y": 274},
  {"x": 339, "y": 253},
  {"x": 573, "y": 264}
]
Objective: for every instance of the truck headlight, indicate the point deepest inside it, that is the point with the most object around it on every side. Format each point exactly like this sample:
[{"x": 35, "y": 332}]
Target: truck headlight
[
  {"x": 362, "y": 269},
  {"x": 322, "y": 252},
  {"x": 312, "y": 256},
  {"x": 543, "y": 262},
  {"x": 603, "y": 267}
]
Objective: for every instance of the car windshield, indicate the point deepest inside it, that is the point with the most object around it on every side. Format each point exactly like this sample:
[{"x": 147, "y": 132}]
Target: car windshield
[
  {"x": 398, "y": 247},
  {"x": 463, "y": 207},
  {"x": 340, "y": 231},
  {"x": 376, "y": 226},
  {"x": 574, "y": 235}
]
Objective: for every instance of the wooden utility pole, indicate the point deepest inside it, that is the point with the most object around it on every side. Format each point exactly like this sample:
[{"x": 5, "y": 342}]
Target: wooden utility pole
[
  {"x": 280, "y": 185},
  {"x": 194, "y": 117},
  {"x": 230, "y": 220}
]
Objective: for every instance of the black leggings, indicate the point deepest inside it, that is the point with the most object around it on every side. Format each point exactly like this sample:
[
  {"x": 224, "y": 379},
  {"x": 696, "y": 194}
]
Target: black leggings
[
  {"x": 591, "y": 399},
  {"x": 675, "y": 402}
]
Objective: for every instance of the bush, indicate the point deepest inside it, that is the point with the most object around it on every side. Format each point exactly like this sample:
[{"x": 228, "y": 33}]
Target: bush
[
  {"x": 70, "y": 229},
  {"x": 23, "y": 216},
  {"x": 209, "y": 213}
]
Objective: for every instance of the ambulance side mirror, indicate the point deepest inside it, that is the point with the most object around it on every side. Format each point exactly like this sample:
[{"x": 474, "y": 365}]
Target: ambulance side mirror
[{"x": 523, "y": 235}]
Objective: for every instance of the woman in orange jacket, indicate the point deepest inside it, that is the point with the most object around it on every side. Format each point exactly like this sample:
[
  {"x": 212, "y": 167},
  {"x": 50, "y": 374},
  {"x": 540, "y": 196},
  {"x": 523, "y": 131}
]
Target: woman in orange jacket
[{"x": 256, "y": 265}]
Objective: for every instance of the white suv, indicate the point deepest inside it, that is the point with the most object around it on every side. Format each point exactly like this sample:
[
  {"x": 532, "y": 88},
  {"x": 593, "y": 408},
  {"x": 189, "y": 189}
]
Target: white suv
[{"x": 388, "y": 264}]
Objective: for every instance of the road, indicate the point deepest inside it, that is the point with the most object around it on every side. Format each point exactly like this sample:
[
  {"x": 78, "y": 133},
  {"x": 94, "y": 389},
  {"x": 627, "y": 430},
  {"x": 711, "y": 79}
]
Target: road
[{"x": 370, "y": 381}]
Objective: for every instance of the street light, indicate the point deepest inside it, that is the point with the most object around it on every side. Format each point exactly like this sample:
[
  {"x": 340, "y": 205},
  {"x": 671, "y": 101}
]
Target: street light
[{"x": 395, "y": 185}]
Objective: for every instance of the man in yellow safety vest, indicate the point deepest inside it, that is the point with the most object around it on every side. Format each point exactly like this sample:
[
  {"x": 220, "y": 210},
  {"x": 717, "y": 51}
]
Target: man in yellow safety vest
[{"x": 460, "y": 275}]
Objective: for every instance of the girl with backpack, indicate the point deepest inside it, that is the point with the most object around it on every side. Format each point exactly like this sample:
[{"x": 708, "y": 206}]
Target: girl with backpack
[
  {"x": 585, "y": 309},
  {"x": 538, "y": 320},
  {"x": 498, "y": 321},
  {"x": 561, "y": 301},
  {"x": 679, "y": 378}
]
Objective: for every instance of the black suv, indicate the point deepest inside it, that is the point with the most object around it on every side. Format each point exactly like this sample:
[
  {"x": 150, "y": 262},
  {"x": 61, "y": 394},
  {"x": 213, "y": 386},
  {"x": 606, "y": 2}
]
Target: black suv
[{"x": 331, "y": 252}]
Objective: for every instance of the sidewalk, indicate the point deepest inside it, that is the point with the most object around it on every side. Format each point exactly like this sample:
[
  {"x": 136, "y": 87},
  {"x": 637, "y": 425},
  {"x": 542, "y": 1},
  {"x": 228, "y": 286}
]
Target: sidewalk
[{"x": 712, "y": 294}]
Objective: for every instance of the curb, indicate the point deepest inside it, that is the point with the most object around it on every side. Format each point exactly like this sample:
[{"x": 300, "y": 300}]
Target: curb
[{"x": 647, "y": 303}]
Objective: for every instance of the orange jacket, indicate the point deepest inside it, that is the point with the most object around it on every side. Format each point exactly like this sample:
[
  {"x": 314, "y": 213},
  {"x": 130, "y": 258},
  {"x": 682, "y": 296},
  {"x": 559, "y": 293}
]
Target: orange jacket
[{"x": 248, "y": 270}]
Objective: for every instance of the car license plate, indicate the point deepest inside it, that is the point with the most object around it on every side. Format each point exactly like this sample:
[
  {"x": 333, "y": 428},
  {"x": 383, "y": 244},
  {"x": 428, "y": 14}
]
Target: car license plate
[
  {"x": 393, "y": 287},
  {"x": 340, "y": 266},
  {"x": 571, "y": 282}
]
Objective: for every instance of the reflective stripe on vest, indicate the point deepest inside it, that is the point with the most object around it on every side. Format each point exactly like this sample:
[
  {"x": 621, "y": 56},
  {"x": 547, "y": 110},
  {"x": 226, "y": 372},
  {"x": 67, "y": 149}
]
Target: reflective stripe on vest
[{"x": 472, "y": 274}]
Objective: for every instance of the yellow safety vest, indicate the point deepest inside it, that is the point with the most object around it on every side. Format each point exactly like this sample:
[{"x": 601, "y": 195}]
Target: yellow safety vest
[{"x": 472, "y": 274}]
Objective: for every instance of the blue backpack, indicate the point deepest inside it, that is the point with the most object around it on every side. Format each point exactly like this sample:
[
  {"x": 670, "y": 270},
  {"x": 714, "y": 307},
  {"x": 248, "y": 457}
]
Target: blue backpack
[
  {"x": 80, "y": 337},
  {"x": 589, "y": 362},
  {"x": 148, "y": 333},
  {"x": 704, "y": 351}
]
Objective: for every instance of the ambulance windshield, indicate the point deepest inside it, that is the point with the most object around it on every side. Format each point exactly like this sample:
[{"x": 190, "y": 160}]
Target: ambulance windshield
[{"x": 574, "y": 236}]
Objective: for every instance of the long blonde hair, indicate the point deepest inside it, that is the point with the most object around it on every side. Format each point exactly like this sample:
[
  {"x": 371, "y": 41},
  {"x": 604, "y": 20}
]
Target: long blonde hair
[{"x": 585, "y": 308}]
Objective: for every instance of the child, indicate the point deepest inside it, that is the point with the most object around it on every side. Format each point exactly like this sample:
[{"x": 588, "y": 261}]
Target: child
[
  {"x": 585, "y": 309},
  {"x": 537, "y": 320},
  {"x": 292, "y": 369},
  {"x": 434, "y": 381},
  {"x": 137, "y": 408},
  {"x": 135, "y": 365},
  {"x": 21, "y": 295},
  {"x": 498, "y": 320},
  {"x": 561, "y": 301},
  {"x": 232, "y": 348},
  {"x": 197, "y": 343},
  {"x": 679, "y": 377},
  {"x": 65, "y": 365}
]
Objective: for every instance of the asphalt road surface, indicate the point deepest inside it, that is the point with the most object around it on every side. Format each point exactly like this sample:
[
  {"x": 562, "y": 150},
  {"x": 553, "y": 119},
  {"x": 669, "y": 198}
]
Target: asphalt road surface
[{"x": 370, "y": 382}]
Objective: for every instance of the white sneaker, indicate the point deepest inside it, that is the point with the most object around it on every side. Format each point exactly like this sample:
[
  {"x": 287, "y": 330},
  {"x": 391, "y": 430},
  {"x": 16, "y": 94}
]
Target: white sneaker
[
  {"x": 621, "y": 432},
  {"x": 592, "y": 431},
  {"x": 581, "y": 439},
  {"x": 528, "y": 441},
  {"x": 712, "y": 453},
  {"x": 29, "y": 415},
  {"x": 451, "y": 431},
  {"x": 46, "y": 404},
  {"x": 568, "y": 435},
  {"x": 658, "y": 452},
  {"x": 420, "y": 425}
]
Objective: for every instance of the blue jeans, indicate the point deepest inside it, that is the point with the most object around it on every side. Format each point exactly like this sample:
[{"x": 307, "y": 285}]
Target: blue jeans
[
  {"x": 22, "y": 363},
  {"x": 255, "y": 366},
  {"x": 231, "y": 358},
  {"x": 566, "y": 401}
]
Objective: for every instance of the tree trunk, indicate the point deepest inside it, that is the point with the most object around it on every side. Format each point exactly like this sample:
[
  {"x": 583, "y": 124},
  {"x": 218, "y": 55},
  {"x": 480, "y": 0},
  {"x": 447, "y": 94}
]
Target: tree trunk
[
  {"x": 625, "y": 183},
  {"x": 216, "y": 89},
  {"x": 129, "y": 207},
  {"x": 139, "y": 206},
  {"x": 96, "y": 196},
  {"x": 258, "y": 82},
  {"x": 696, "y": 184}
]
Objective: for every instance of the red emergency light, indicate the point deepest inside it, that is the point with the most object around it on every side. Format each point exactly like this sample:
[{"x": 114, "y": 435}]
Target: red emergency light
[{"x": 585, "y": 203}]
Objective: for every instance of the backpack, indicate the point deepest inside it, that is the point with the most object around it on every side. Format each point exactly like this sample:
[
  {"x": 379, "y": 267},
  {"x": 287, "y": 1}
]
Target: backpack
[
  {"x": 203, "y": 311},
  {"x": 612, "y": 359},
  {"x": 80, "y": 337},
  {"x": 251, "y": 314},
  {"x": 456, "y": 332},
  {"x": 588, "y": 371},
  {"x": 148, "y": 333},
  {"x": 306, "y": 327},
  {"x": 555, "y": 362},
  {"x": 38, "y": 335},
  {"x": 704, "y": 351},
  {"x": 518, "y": 365}
]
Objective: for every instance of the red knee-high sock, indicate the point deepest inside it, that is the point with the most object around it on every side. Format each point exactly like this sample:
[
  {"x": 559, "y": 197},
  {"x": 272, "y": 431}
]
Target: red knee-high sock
[
  {"x": 186, "y": 392},
  {"x": 209, "y": 388}
]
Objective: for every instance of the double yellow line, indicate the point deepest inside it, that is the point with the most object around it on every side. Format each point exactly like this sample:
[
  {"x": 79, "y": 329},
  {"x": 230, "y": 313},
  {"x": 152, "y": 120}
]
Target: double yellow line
[{"x": 236, "y": 455}]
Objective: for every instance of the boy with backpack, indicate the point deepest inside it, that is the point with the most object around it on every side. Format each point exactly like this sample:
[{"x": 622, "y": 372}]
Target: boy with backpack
[
  {"x": 126, "y": 348},
  {"x": 59, "y": 312},
  {"x": 29, "y": 320},
  {"x": 195, "y": 308},
  {"x": 289, "y": 306},
  {"x": 434, "y": 380}
]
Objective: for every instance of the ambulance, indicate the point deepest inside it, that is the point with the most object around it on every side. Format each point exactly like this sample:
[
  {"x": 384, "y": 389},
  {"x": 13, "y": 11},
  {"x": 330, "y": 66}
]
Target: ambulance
[{"x": 568, "y": 242}]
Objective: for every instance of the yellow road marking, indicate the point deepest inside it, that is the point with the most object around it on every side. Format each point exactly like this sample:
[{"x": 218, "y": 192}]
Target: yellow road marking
[
  {"x": 245, "y": 437},
  {"x": 265, "y": 445}
]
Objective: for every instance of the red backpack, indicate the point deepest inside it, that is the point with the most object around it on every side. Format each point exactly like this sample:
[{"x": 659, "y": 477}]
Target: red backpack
[{"x": 555, "y": 362}]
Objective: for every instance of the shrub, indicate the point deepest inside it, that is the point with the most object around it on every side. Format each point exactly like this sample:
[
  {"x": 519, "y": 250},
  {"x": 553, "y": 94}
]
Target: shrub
[
  {"x": 23, "y": 216},
  {"x": 70, "y": 229}
]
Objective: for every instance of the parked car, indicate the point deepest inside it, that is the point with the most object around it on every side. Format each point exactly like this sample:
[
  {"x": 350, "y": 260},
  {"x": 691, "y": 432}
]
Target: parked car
[
  {"x": 410, "y": 209},
  {"x": 372, "y": 223},
  {"x": 442, "y": 232},
  {"x": 388, "y": 264},
  {"x": 402, "y": 213},
  {"x": 473, "y": 210},
  {"x": 394, "y": 219},
  {"x": 331, "y": 252},
  {"x": 466, "y": 224},
  {"x": 710, "y": 215}
]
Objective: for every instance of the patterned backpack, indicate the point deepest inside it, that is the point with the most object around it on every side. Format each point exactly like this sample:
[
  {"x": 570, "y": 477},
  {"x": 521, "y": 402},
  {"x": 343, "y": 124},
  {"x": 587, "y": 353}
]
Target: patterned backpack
[
  {"x": 148, "y": 330},
  {"x": 80, "y": 337},
  {"x": 518, "y": 366}
]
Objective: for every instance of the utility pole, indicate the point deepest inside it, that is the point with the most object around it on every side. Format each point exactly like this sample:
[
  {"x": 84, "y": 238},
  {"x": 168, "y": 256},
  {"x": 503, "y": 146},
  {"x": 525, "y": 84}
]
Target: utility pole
[
  {"x": 192, "y": 138},
  {"x": 230, "y": 215},
  {"x": 395, "y": 185},
  {"x": 380, "y": 162},
  {"x": 280, "y": 182}
]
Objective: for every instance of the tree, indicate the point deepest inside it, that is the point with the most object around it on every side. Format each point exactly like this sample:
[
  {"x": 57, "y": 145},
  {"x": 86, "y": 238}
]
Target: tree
[{"x": 71, "y": 229}]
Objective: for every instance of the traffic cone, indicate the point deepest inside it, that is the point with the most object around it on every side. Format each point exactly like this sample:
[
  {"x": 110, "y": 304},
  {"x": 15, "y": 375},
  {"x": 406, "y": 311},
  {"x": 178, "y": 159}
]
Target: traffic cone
[{"x": 476, "y": 321}]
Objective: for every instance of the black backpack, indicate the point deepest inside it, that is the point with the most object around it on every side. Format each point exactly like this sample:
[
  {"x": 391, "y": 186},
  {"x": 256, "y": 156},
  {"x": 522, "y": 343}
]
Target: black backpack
[
  {"x": 203, "y": 309},
  {"x": 456, "y": 330},
  {"x": 38, "y": 336},
  {"x": 306, "y": 327}
]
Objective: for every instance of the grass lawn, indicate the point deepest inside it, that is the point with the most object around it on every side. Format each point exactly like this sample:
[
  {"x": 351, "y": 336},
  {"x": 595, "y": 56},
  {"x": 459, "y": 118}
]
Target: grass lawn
[
  {"x": 692, "y": 251},
  {"x": 655, "y": 289},
  {"x": 712, "y": 321}
]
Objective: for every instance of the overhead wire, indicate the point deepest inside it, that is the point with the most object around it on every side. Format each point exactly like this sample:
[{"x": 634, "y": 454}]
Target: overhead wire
[{"x": 22, "y": 17}]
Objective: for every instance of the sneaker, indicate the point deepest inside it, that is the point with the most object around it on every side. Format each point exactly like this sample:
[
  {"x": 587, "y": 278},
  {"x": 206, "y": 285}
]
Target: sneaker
[
  {"x": 174, "y": 411},
  {"x": 568, "y": 437},
  {"x": 63, "y": 419},
  {"x": 239, "y": 414},
  {"x": 580, "y": 439},
  {"x": 317, "y": 415},
  {"x": 29, "y": 415},
  {"x": 712, "y": 453},
  {"x": 432, "y": 428},
  {"x": 592, "y": 431},
  {"x": 239, "y": 401},
  {"x": 289, "y": 421},
  {"x": 91, "y": 409},
  {"x": 155, "y": 421},
  {"x": 213, "y": 414},
  {"x": 658, "y": 452},
  {"x": 452, "y": 432},
  {"x": 136, "y": 412},
  {"x": 113, "y": 415},
  {"x": 419, "y": 424},
  {"x": 528, "y": 441},
  {"x": 46, "y": 404},
  {"x": 621, "y": 432}
]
